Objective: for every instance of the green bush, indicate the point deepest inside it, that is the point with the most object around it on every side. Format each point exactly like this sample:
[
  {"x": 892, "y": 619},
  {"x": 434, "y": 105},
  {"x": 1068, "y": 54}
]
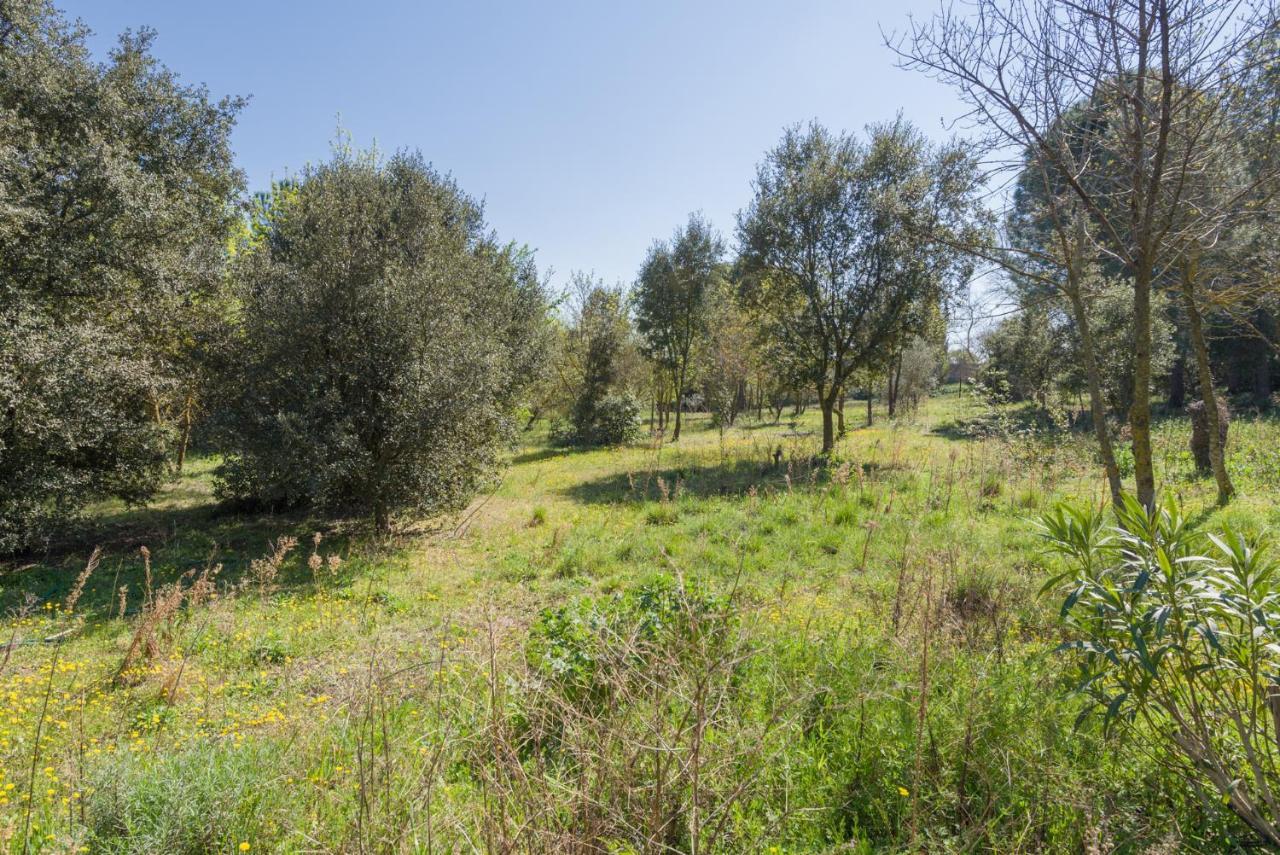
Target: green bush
[
  {"x": 79, "y": 428},
  {"x": 385, "y": 340},
  {"x": 612, "y": 420},
  {"x": 116, "y": 183},
  {"x": 568, "y": 644},
  {"x": 617, "y": 420}
]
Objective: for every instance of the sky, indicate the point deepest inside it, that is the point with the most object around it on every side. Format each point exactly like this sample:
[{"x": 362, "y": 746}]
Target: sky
[{"x": 589, "y": 129}]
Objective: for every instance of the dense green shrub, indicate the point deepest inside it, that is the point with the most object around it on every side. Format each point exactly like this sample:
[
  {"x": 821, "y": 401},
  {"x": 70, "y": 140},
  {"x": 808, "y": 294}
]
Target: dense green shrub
[
  {"x": 568, "y": 644},
  {"x": 611, "y": 420},
  {"x": 595, "y": 360},
  {"x": 79, "y": 426},
  {"x": 382, "y": 346},
  {"x": 114, "y": 188}
]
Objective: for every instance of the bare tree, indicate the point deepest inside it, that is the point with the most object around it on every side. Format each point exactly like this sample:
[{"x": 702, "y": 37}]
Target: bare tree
[{"x": 1025, "y": 68}]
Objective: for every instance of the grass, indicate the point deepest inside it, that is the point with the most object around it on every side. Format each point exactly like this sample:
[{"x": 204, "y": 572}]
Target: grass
[{"x": 744, "y": 656}]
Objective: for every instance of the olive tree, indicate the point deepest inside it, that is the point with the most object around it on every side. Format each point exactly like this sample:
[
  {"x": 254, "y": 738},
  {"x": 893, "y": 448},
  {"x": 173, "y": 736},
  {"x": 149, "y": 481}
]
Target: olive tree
[
  {"x": 671, "y": 300},
  {"x": 382, "y": 346},
  {"x": 116, "y": 183},
  {"x": 847, "y": 247},
  {"x": 727, "y": 356}
]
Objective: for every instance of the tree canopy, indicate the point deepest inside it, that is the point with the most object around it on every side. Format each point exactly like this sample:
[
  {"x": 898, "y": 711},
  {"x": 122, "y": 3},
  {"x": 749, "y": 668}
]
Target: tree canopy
[
  {"x": 671, "y": 300},
  {"x": 847, "y": 246},
  {"x": 116, "y": 184},
  {"x": 383, "y": 342}
]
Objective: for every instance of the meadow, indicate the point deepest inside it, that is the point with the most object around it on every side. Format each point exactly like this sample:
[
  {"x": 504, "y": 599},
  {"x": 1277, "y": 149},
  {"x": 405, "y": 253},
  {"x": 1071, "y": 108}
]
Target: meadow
[{"x": 717, "y": 645}]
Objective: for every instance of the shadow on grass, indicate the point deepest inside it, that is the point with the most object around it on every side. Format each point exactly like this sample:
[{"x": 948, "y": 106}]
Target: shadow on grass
[
  {"x": 180, "y": 540},
  {"x": 733, "y": 478},
  {"x": 767, "y": 424},
  {"x": 1028, "y": 417},
  {"x": 550, "y": 452},
  {"x": 1020, "y": 419}
]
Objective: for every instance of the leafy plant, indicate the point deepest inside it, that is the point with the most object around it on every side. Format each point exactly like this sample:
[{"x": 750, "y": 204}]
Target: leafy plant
[
  {"x": 117, "y": 183},
  {"x": 568, "y": 643},
  {"x": 1176, "y": 642}
]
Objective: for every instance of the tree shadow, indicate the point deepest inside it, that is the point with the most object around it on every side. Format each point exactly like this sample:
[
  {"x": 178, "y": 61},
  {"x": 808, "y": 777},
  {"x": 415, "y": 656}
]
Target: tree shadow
[
  {"x": 551, "y": 452},
  {"x": 733, "y": 478},
  {"x": 1024, "y": 418},
  {"x": 182, "y": 542}
]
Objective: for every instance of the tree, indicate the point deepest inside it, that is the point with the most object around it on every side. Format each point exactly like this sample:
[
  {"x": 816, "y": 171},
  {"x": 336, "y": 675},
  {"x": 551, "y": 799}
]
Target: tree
[
  {"x": 726, "y": 357},
  {"x": 916, "y": 362},
  {"x": 1036, "y": 352},
  {"x": 599, "y": 366},
  {"x": 847, "y": 247},
  {"x": 1202, "y": 257},
  {"x": 1052, "y": 255},
  {"x": 1026, "y": 68},
  {"x": 116, "y": 184},
  {"x": 383, "y": 344},
  {"x": 914, "y": 373},
  {"x": 671, "y": 300},
  {"x": 1024, "y": 357}
]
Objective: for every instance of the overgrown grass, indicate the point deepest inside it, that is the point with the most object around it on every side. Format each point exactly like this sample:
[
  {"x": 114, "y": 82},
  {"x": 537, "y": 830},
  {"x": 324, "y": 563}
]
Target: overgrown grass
[{"x": 877, "y": 672}]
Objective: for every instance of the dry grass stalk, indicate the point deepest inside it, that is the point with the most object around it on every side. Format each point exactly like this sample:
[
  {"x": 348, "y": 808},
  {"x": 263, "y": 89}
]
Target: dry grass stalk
[
  {"x": 146, "y": 569},
  {"x": 922, "y": 714},
  {"x": 78, "y": 589},
  {"x": 143, "y": 643},
  {"x": 265, "y": 571},
  {"x": 204, "y": 587}
]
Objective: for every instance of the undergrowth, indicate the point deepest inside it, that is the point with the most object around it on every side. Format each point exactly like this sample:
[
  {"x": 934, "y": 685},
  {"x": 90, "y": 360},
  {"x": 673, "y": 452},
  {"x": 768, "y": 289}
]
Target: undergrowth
[{"x": 719, "y": 645}]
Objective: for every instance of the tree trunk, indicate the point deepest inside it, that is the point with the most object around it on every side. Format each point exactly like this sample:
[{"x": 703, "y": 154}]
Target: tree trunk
[
  {"x": 870, "y": 419},
  {"x": 1140, "y": 409},
  {"x": 1265, "y": 324},
  {"x": 679, "y": 378},
  {"x": 1096, "y": 406},
  {"x": 188, "y": 417},
  {"x": 840, "y": 414},
  {"x": 1178, "y": 380},
  {"x": 828, "y": 427},
  {"x": 1204, "y": 374},
  {"x": 895, "y": 382}
]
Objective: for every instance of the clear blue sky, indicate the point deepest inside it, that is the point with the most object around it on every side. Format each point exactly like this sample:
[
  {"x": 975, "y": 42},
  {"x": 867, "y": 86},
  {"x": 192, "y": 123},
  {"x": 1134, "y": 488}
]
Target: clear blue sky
[{"x": 589, "y": 128}]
